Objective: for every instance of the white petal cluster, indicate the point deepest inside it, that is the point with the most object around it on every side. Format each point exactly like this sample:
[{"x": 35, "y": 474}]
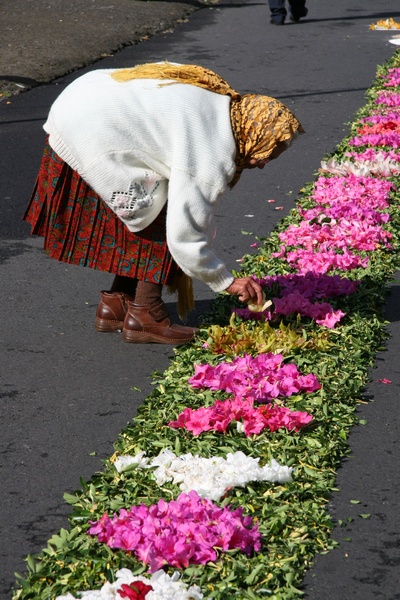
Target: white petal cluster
[
  {"x": 165, "y": 587},
  {"x": 127, "y": 462},
  {"x": 381, "y": 166},
  {"x": 212, "y": 477}
]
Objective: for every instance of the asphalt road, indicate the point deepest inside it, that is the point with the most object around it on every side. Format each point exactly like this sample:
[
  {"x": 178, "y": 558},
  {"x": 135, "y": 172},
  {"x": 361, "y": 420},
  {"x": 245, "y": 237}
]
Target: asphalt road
[
  {"x": 43, "y": 40},
  {"x": 66, "y": 391}
]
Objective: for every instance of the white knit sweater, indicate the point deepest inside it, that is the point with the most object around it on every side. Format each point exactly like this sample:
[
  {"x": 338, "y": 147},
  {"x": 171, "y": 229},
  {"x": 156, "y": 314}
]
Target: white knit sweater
[{"x": 141, "y": 142}]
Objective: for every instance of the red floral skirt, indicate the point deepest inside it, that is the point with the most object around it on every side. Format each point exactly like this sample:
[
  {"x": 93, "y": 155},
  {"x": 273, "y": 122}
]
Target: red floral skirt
[{"x": 79, "y": 228}]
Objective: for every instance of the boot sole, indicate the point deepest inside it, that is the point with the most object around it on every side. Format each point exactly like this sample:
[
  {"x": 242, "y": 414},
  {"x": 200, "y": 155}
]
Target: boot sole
[
  {"x": 106, "y": 326},
  {"x": 138, "y": 337}
]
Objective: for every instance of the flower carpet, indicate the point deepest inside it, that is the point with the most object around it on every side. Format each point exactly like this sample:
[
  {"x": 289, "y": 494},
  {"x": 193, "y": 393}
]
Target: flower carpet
[{"x": 219, "y": 487}]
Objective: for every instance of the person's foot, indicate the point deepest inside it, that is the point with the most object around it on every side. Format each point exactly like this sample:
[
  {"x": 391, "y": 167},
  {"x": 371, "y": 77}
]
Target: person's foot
[
  {"x": 145, "y": 324},
  {"x": 111, "y": 311},
  {"x": 277, "y": 21},
  {"x": 297, "y": 16}
]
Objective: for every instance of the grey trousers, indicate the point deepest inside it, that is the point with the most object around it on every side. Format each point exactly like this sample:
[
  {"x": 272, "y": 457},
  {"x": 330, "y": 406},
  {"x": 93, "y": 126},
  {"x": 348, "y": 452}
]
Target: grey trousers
[{"x": 279, "y": 12}]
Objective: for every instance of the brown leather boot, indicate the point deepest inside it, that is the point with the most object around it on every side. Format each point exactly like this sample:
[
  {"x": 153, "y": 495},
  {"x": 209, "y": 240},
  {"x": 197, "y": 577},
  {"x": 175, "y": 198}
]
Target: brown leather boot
[
  {"x": 111, "y": 311},
  {"x": 145, "y": 324}
]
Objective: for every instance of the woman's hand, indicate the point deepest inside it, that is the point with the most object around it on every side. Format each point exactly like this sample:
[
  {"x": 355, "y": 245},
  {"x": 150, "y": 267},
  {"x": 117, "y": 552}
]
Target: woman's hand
[{"x": 246, "y": 289}]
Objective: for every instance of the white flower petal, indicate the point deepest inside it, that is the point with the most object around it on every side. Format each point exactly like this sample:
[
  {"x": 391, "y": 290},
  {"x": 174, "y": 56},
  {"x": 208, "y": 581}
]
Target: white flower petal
[
  {"x": 124, "y": 462},
  {"x": 212, "y": 477}
]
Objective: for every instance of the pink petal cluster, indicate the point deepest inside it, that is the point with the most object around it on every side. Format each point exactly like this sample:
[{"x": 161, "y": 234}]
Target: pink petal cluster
[
  {"x": 388, "y": 98},
  {"x": 322, "y": 312},
  {"x": 321, "y": 262},
  {"x": 391, "y": 139},
  {"x": 354, "y": 191},
  {"x": 261, "y": 378},
  {"x": 254, "y": 419},
  {"x": 188, "y": 530},
  {"x": 378, "y": 130},
  {"x": 393, "y": 77},
  {"x": 358, "y": 235},
  {"x": 346, "y": 218},
  {"x": 348, "y": 212},
  {"x": 366, "y": 192},
  {"x": 297, "y": 293},
  {"x": 310, "y": 285},
  {"x": 381, "y": 118}
]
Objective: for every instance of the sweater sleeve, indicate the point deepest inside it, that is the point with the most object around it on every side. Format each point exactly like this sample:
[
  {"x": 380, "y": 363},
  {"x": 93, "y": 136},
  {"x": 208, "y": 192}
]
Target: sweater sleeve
[{"x": 190, "y": 217}]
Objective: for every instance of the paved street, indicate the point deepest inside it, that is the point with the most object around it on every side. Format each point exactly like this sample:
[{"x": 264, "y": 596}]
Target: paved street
[{"x": 67, "y": 391}]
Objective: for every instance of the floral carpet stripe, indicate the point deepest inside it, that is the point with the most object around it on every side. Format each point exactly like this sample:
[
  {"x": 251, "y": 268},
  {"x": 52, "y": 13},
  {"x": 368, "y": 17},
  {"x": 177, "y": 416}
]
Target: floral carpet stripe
[{"x": 219, "y": 487}]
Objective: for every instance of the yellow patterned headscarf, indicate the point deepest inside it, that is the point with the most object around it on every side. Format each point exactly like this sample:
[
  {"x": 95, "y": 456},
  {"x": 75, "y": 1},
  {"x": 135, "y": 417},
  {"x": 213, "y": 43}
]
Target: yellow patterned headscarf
[{"x": 259, "y": 124}]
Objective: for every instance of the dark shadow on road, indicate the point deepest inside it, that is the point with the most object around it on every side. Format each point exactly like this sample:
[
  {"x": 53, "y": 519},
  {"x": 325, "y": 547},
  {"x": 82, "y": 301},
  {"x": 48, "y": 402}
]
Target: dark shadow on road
[
  {"x": 13, "y": 249},
  {"x": 194, "y": 318},
  {"x": 26, "y": 81},
  {"x": 392, "y": 308}
]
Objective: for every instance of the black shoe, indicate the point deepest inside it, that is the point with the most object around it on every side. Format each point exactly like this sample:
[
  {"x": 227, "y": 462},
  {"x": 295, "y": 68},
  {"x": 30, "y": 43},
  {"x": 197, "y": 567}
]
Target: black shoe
[
  {"x": 296, "y": 17},
  {"x": 277, "y": 22}
]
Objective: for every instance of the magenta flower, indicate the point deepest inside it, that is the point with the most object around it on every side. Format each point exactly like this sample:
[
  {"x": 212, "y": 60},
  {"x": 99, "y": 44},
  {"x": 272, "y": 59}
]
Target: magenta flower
[
  {"x": 346, "y": 219},
  {"x": 188, "y": 530},
  {"x": 391, "y": 139},
  {"x": 388, "y": 98},
  {"x": 261, "y": 378},
  {"x": 392, "y": 77},
  {"x": 295, "y": 303},
  {"x": 364, "y": 191},
  {"x": 361, "y": 234},
  {"x": 254, "y": 419},
  {"x": 310, "y": 285},
  {"x": 305, "y": 261}
]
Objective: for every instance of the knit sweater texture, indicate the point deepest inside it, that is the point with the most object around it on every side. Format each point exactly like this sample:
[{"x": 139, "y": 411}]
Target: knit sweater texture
[{"x": 142, "y": 142}]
